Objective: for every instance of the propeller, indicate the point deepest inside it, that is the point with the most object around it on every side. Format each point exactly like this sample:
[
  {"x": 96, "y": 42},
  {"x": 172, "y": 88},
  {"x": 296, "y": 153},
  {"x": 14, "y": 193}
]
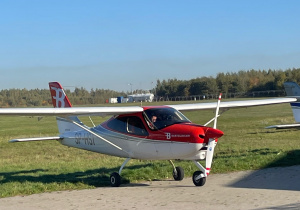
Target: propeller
[{"x": 212, "y": 133}]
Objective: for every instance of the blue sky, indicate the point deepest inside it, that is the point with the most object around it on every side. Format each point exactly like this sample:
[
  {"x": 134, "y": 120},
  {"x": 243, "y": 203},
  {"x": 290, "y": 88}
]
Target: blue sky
[{"x": 109, "y": 44}]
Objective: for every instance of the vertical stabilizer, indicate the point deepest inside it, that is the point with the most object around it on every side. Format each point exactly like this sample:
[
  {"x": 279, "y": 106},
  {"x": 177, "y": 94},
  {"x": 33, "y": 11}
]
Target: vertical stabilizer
[
  {"x": 60, "y": 100},
  {"x": 292, "y": 89},
  {"x": 58, "y": 95}
]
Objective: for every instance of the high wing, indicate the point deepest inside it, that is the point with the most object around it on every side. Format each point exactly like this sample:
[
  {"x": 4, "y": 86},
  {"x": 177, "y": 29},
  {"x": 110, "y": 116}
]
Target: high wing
[
  {"x": 287, "y": 126},
  {"x": 71, "y": 111},
  {"x": 292, "y": 89},
  {"x": 232, "y": 104},
  {"x": 103, "y": 111}
]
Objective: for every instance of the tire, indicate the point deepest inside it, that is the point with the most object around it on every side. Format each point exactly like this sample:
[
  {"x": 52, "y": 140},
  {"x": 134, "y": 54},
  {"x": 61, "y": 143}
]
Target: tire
[
  {"x": 115, "y": 179},
  {"x": 199, "y": 182},
  {"x": 179, "y": 175}
]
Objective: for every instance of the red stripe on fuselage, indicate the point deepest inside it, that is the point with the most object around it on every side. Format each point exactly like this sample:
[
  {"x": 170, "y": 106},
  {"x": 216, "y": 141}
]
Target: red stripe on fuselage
[{"x": 181, "y": 132}]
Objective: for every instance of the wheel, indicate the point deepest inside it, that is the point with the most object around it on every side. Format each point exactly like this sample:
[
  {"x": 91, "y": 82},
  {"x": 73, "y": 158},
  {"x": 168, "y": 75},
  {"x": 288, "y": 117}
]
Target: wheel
[
  {"x": 115, "y": 179},
  {"x": 179, "y": 175},
  {"x": 199, "y": 182}
]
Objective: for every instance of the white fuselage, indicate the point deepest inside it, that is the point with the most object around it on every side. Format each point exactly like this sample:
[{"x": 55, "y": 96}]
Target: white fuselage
[{"x": 108, "y": 142}]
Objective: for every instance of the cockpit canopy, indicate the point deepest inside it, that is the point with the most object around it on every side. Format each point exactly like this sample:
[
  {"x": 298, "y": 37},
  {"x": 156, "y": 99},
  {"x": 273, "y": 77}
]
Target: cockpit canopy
[{"x": 164, "y": 116}]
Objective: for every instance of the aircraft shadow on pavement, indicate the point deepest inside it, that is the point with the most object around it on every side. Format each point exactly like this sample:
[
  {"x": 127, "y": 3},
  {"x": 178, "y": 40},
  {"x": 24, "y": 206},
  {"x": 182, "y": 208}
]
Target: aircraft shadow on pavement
[
  {"x": 292, "y": 206},
  {"x": 96, "y": 177},
  {"x": 274, "y": 177}
]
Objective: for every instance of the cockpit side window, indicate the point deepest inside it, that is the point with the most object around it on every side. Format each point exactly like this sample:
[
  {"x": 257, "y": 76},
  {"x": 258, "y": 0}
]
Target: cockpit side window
[
  {"x": 129, "y": 125},
  {"x": 149, "y": 122}
]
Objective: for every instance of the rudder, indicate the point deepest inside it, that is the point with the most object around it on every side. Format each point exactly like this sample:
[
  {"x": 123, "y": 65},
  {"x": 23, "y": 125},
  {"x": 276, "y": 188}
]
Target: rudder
[
  {"x": 61, "y": 100},
  {"x": 58, "y": 96}
]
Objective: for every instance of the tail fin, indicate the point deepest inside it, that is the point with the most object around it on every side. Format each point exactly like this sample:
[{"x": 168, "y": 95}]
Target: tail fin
[
  {"x": 293, "y": 89},
  {"x": 60, "y": 100},
  {"x": 58, "y": 95}
]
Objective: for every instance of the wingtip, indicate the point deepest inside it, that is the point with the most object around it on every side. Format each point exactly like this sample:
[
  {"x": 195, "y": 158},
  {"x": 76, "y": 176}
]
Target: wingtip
[{"x": 13, "y": 140}]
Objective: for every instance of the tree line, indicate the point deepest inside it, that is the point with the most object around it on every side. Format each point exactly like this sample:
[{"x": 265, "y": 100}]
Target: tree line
[
  {"x": 41, "y": 97},
  {"x": 231, "y": 83},
  {"x": 242, "y": 83}
]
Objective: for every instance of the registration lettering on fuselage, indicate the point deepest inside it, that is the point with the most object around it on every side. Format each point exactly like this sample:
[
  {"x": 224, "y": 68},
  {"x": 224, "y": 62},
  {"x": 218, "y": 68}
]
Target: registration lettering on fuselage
[{"x": 84, "y": 138}]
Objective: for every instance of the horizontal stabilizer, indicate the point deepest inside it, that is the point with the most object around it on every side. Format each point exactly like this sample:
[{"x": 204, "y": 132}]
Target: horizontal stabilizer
[
  {"x": 36, "y": 139},
  {"x": 288, "y": 126}
]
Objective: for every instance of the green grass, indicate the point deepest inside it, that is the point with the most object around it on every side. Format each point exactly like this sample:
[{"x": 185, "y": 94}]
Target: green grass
[{"x": 35, "y": 167}]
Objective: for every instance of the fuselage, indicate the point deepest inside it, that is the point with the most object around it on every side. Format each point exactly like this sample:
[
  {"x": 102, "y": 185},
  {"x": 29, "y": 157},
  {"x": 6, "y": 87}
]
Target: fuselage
[{"x": 168, "y": 135}]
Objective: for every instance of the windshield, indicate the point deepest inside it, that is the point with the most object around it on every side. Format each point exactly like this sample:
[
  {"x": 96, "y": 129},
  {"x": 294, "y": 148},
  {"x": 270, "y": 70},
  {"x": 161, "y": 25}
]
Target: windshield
[{"x": 163, "y": 117}]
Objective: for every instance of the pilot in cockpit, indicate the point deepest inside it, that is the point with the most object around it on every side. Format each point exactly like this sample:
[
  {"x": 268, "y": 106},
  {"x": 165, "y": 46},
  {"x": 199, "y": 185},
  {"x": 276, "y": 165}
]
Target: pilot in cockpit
[{"x": 153, "y": 119}]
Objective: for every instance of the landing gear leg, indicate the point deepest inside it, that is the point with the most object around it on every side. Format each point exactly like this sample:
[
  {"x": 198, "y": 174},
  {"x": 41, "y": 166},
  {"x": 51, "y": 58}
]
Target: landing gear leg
[
  {"x": 178, "y": 172},
  {"x": 115, "y": 178}
]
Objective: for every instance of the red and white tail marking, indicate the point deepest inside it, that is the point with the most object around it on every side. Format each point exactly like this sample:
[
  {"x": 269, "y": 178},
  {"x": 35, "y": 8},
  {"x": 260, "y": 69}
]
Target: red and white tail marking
[{"x": 58, "y": 95}]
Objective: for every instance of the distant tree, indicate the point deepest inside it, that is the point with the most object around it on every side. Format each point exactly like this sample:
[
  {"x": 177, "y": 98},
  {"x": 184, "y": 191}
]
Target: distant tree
[{"x": 233, "y": 83}]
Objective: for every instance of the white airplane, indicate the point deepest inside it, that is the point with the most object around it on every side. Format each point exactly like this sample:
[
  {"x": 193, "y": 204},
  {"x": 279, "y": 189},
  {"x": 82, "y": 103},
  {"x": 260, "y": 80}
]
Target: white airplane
[
  {"x": 292, "y": 89},
  {"x": 134, "y": 132}
]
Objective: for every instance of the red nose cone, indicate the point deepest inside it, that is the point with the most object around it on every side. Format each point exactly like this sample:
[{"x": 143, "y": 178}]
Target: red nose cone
[{"x": 214, "y": 133}]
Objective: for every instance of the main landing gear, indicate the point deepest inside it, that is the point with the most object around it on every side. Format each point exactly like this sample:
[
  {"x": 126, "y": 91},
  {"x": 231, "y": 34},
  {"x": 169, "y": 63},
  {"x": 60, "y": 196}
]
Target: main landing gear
[
  {"x": 115, "y": 177},
  {"x": 178, "y": 172},
  {"x": 199, "y": 177}
]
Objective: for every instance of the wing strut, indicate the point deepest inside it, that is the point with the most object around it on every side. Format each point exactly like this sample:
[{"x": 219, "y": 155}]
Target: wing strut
[
  {"x": 199, "y": 178},
  {"x": 211, "y": 142}
]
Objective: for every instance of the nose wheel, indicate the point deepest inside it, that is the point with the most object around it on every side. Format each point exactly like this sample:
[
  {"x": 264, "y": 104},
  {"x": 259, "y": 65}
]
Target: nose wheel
[{"x": 198, "y": 178}]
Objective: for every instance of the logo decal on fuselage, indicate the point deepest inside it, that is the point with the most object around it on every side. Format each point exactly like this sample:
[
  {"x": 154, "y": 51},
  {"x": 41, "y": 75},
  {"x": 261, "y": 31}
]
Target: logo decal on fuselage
[
  {"x": 60, "y": 97},
  {"x": 168, "y": 135}
]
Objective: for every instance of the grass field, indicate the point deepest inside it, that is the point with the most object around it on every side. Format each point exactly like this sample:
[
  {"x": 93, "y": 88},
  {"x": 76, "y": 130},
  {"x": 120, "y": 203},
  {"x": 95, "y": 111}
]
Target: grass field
[{"x": 35, "y": 167}]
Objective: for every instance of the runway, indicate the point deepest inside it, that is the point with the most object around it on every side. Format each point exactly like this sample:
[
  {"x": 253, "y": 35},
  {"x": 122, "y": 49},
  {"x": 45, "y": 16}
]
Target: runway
[{"x": 272, "y": 188}]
